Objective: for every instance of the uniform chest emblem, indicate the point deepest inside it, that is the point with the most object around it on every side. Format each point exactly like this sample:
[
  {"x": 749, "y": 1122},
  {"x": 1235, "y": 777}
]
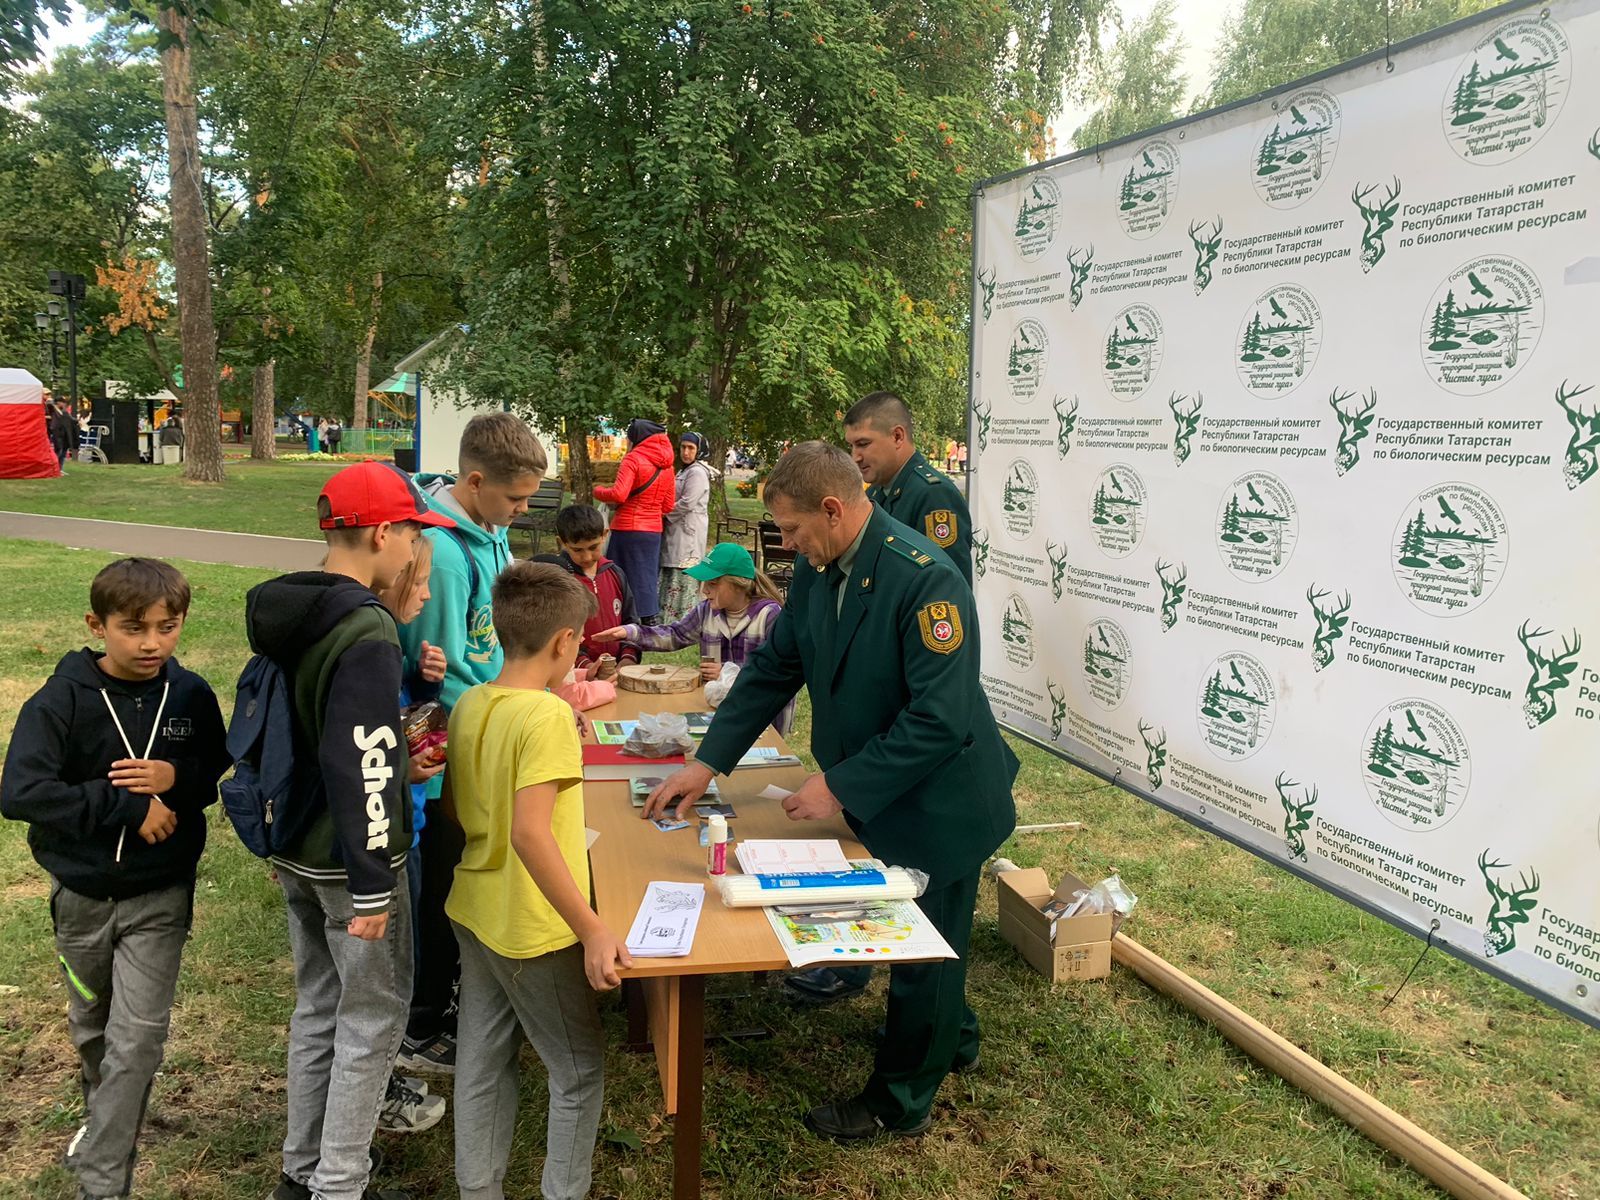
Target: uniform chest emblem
[
  {"x": 940, "y": 623},
  {"x": 940, "y": 525}
]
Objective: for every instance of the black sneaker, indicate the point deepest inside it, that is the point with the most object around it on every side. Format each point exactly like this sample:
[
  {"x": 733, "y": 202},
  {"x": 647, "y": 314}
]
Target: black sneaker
[
  {"x": 288, "y": 1189},
  {"x": 437, "y": 1056}
]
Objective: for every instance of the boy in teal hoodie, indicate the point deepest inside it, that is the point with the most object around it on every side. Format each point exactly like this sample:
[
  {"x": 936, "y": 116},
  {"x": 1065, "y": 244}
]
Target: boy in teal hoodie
[{"x": 501, "y": 465}]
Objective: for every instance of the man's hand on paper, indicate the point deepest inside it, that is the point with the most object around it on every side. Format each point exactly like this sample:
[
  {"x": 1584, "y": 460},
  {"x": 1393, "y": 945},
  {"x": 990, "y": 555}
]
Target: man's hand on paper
[
  {"x": 683, "y": 786},
  {"x": 814, "y": 801}
]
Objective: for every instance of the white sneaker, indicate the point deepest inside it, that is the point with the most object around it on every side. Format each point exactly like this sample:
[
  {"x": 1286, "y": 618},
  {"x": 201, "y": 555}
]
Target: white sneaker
[{"x": 405, "y": 1110}]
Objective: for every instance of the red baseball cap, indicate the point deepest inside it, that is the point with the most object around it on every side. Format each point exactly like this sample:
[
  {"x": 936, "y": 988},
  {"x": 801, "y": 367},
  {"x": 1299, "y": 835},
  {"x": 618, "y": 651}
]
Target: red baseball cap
[{"x": 371, "y": 493}]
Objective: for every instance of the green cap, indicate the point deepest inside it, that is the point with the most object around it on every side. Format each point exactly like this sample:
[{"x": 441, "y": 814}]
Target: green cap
[{"x": 726, "y": 558}]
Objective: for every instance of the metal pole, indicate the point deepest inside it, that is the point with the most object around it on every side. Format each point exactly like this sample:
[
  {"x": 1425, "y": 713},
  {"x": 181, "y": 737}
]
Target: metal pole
[{"x": 72, "y": 338}]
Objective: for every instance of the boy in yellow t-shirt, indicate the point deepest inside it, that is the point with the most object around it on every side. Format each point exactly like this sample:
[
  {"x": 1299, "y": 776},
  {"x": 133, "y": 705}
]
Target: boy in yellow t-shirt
[{"x": 532, "y": 950}]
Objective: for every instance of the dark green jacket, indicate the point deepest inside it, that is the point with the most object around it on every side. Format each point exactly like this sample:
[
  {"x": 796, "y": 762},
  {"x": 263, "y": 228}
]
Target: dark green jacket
[
  {"x": 341, "y": 654},
  {"x": 928, "y": 500},
  {"x": 900, "y": 723}
]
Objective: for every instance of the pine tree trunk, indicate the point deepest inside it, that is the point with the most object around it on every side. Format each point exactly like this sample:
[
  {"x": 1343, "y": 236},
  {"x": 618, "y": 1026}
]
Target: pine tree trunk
[
  {"x": 202, "y": 414},
  {"x": 263, "y": 411},
  {"x": 358, "y": 412}
]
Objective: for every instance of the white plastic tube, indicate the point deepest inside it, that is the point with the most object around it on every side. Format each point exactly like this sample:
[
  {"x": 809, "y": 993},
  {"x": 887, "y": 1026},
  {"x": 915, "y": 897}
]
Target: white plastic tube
[{"x": 762, "y": 891}]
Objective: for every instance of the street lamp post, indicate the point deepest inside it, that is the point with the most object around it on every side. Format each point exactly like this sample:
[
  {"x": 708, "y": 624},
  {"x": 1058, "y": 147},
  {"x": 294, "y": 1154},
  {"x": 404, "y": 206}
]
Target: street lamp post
[{"x": 72, "y": 288}]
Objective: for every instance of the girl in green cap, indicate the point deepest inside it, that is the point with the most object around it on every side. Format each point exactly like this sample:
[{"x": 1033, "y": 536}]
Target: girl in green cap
[{"x": 736, "y": 615}]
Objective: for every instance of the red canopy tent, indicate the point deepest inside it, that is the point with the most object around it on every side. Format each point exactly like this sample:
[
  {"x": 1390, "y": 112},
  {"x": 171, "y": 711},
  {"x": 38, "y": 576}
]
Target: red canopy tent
[{"x": 25, "y": 451}]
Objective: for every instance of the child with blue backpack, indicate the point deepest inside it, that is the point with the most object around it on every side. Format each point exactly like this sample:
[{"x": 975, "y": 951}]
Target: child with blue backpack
[{"x": 344, "y": 865}]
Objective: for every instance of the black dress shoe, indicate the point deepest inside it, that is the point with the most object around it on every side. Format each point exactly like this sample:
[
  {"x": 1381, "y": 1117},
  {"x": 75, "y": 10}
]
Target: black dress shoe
[
  {"x": 821, "y": 985},
  {"x": 852, "y": 1121}
]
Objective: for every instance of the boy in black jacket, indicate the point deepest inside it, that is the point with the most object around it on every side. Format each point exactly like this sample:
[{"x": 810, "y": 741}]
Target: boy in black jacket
[
  {"x": 344, "y": 881},
  {"x": 112, "y": 764}
]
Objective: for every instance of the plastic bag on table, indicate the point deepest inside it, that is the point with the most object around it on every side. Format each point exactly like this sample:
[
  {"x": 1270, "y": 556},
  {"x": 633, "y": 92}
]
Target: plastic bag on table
[
  {"x": 659, "y": 735},
  {"x": 718, "y": 688}
]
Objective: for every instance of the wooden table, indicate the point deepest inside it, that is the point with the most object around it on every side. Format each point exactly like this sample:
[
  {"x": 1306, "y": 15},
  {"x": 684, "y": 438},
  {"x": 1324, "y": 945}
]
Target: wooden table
[{"x": 628, "y": 854}]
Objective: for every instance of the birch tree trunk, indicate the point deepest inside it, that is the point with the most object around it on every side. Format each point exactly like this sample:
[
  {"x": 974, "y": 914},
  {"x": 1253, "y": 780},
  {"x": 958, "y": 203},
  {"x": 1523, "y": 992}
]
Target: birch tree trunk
[
  {"x": 580, "y": 475},
  {"x": 358, "y": 411}
]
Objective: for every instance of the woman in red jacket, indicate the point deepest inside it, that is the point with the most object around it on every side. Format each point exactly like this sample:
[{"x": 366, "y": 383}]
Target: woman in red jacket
[{"x": 644, "y": 493}]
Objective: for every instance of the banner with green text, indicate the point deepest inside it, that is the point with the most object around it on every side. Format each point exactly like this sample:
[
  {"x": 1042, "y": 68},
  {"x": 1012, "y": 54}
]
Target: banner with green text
[{"x": 1285, "y": 432}]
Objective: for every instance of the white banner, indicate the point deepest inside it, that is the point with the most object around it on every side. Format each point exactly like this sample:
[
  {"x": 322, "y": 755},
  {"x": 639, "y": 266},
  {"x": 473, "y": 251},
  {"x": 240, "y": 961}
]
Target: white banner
[{"x": 1285, "y": 437}]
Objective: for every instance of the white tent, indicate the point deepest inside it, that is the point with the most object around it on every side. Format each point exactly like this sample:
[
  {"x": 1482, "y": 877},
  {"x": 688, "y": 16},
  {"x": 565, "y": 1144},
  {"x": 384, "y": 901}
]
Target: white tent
[{"x": 25, "y": 451}]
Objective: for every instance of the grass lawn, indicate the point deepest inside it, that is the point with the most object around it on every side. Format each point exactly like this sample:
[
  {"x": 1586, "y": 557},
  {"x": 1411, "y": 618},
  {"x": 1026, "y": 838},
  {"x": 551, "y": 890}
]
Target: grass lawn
[
  {"x": 273, "y": 498},
  {"x": 1095, "y": 1090}
]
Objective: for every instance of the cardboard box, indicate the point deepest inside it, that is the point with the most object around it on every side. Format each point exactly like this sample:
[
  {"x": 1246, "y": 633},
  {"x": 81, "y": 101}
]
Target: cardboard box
[{"x": 1081, "y": 947}]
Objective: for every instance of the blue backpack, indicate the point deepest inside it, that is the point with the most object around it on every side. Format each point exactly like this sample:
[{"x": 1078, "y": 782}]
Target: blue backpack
[
  {"x": 259, "y": 799},
  {"x": 261, "y": 743}
]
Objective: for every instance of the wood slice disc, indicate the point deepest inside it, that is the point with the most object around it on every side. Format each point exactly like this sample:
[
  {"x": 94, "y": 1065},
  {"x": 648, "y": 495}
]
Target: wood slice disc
[{"x": 658, "y": 678}]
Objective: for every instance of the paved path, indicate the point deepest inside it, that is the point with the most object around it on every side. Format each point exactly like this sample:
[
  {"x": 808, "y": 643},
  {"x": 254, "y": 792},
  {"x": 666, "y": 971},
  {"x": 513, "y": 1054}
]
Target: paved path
[{"x": 162, "y": 541}]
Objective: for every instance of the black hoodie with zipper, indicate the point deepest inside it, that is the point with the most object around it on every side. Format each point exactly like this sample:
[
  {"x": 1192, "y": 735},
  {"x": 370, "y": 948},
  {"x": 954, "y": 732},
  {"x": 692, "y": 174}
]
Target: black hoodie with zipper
[
  {"x": 83, "y": 829},
  {"x": 339, "y": 648}
]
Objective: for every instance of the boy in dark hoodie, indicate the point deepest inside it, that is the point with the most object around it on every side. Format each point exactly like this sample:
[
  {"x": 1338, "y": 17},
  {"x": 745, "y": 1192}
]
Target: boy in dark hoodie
[
  {"x": 344, "y": 882},
  {"x": 119, "y": 743}
]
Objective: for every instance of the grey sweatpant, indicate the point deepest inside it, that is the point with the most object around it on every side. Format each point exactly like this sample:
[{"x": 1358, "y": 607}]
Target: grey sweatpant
[
  {"x": 120, "y": 961},
  {"x": 549, "y": 1000},
  {"x": 351, "y": 998}
]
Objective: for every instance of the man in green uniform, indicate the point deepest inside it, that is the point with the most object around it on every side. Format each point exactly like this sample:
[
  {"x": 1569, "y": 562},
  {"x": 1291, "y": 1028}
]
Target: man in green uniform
[
  {"x": 881, "y": 630},
  {"x": 879, "y": 432}
]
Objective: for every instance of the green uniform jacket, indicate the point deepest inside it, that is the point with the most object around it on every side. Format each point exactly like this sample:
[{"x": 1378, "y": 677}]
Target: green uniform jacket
[
  {"x": 900, "y": 722},
  {"x": 928, "y": 500}
]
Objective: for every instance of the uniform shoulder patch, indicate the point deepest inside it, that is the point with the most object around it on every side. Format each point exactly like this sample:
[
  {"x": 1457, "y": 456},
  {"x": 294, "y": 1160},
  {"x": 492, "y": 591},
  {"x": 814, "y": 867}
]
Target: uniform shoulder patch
[
  {"x": 940, "y": 526},
  {"x": 907, "y": 551},
  {"x": 940, "y": 624}
]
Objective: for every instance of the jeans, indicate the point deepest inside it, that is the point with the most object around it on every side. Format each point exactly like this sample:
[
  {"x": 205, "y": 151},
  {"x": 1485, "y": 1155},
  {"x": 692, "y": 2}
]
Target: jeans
[
  {"x": 548, "y": 1000},
  {"x": 349, "y": 1016},
  {"x": 120, "y": 959}
]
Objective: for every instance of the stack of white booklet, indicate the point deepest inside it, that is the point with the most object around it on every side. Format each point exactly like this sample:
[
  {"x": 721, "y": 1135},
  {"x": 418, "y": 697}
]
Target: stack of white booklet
[
  {"x": 784, "y": 856},
  {"x": 667, "y": 918}
]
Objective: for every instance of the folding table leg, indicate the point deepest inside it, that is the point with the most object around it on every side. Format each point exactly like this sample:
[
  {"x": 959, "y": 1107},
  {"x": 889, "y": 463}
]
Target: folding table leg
[{"x": 686, "y": 1127}]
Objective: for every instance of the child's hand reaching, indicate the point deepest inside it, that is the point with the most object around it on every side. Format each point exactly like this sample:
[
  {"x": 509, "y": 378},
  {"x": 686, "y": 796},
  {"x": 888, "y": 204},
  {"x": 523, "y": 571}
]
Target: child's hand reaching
[
  {"x": 159, "y": 822},
  {"x": 144, "y": 776},
  {"x": 421, "y": 771},
  {"x": 603, "y": 953},
  {"x": 617, "y": 633},
  {"x": 432, "y": 663}
]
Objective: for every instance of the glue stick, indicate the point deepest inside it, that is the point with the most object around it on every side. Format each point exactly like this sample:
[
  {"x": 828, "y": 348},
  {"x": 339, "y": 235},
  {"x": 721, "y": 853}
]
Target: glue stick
[{"x": 717, "y": 845}]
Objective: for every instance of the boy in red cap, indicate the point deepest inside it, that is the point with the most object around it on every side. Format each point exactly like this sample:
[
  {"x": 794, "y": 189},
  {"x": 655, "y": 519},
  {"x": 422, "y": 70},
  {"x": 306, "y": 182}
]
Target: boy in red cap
[{"x": 344, "y": 880}]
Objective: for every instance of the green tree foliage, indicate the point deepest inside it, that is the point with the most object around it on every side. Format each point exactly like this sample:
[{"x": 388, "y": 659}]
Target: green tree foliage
[
  {"x": 82, "y": 180},
  {"x": 23, "y": 27},
  {"x": 1140, "y": 84},
  {"x": 1265, "y": 43},
  {"x": 738, "y": 216}
]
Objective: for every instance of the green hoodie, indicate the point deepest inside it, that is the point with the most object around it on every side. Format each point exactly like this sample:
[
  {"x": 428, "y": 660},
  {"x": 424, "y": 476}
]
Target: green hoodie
[{"x": 458, "y": 618}]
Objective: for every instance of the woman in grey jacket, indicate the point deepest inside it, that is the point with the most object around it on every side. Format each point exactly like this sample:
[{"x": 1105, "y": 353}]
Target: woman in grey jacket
[{"x": 683, "y": 541}]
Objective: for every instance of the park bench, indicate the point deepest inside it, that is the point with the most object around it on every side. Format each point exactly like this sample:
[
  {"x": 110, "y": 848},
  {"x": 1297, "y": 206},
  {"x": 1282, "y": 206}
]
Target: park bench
[
  {"x": 541, "y": 515},
  {"x": 771, "y": 555}
]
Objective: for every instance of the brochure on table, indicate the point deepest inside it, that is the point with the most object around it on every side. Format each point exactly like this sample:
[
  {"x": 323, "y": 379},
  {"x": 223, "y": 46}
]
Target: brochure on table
[{"x": 856, "y": 934}]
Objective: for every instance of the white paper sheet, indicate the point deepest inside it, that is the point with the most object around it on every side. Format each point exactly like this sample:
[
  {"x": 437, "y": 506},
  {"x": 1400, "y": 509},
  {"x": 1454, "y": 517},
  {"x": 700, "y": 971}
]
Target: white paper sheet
[
  {"x": 773, "y": 792},
  {"x": 668, "y": 916}
]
